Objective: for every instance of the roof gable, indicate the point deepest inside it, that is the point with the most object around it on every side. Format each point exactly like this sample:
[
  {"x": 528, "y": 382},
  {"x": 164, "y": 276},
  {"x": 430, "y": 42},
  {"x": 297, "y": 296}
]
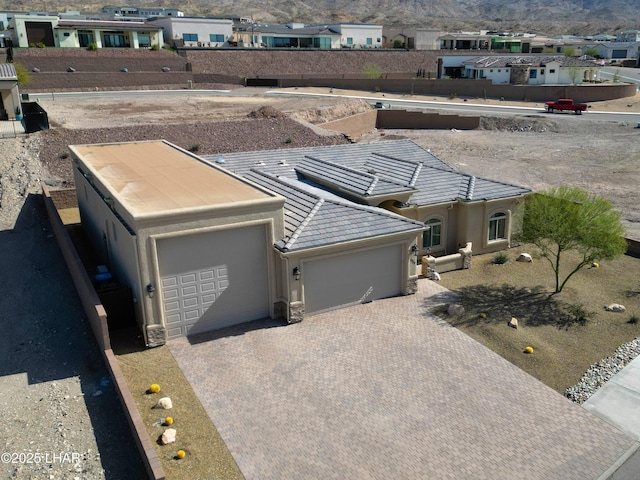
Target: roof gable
[{"x": 313, "y": 221}]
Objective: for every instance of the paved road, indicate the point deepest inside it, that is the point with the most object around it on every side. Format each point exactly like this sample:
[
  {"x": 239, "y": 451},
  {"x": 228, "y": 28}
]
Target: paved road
[{"x": 476, "y": 109}]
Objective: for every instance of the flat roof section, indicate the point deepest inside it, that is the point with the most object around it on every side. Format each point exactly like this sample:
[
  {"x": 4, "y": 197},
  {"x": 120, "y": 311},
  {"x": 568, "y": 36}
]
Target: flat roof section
[{"x": 155, "y": 177}]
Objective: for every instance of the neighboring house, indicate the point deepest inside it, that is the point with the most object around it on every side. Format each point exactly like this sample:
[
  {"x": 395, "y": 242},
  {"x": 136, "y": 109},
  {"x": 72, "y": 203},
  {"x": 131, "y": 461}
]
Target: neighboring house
[
  {"x": 524, "y": 70},
  {"x": 144, "y": 12},
  {"x": 195, "y": 31},
  {"x": 617, "y": 50},
  {"x": 52, "y": 31},
  {"x": 296, "y": 35},
  {"x": 202, "y": 248},
  {"x": 290, "y": 233},
  {"x": 412, "y": 38},
  {"x": 628, "y": 36},
  {"x": 358, "y": 35},
  {"x": 10, "y": 108}
]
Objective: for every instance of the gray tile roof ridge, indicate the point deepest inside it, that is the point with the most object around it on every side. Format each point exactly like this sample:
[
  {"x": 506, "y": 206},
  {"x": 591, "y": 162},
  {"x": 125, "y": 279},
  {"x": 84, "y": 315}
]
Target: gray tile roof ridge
[
  {"x": 416, "y": 172},
  {"x": 470, "y": 188},
  {"x": 294, "y": 236},
  {"x": 375, "y": 178}
]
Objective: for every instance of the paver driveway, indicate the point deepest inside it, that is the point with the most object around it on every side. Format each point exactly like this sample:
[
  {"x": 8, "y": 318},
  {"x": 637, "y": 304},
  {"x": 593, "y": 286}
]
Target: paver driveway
[{"x": 387, "y": 391}]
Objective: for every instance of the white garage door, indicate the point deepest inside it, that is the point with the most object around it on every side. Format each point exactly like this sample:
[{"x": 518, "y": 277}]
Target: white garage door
[
  {"x": 352, "y": 278},
  {"x": 213, "y": 280}
]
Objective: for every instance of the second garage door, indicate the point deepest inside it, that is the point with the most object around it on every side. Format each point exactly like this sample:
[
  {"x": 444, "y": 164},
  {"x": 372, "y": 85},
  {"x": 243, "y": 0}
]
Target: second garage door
[
  {"x": 213, "y": 280},
  {"x": 352, "y": 278}
]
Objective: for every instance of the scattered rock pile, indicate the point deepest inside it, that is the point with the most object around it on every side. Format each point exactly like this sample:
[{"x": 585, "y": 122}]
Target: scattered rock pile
[
  {"x": 600, "y": 373},
  {"x": 267, "y": 112}
]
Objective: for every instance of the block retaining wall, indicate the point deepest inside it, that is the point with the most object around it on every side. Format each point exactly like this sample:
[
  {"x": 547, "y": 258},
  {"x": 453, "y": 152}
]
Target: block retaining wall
[{"x": 98, "y": 320}]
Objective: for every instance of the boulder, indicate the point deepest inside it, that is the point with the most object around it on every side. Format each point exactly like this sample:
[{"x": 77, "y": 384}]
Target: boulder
[
  {"x": 71, "y": 69},
  {"x": 524, "y": 257},
  {"x": 455, "y": 309},
  {"x": 124, "y": 70},
  {"x": 165, "y": 403},
  {"x": 513, "y": 323},
  {"x": 35, "y": 70},
  {"x": 615, "y": 307},
  {"x": 169, "y": 436},
  {"x": 166, "y": 69},
  {"x": 435, "y": 276}
]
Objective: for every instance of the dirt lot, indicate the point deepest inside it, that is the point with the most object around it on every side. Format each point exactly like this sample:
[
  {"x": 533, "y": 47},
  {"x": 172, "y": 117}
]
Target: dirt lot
[{"x": 537, "y": 151}]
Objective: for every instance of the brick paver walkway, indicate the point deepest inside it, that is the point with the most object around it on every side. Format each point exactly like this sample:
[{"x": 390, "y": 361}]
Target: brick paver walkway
[{"x": 387, "y": 391}]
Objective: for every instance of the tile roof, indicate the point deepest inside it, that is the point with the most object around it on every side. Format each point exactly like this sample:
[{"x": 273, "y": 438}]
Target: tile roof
[
  {"x": 500, "y": 61},
  {"x": 402, "y": 165},
  {"x": 8, "y": 72},
  {"x": 362, "y": 183},
  {"x": 316, "y": 219}
]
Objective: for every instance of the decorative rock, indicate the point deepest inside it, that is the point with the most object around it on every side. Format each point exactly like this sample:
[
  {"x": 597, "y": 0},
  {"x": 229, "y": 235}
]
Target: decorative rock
[
  {"x": 436, "y": 277},
  {"x": 601, "y": 372},
  {"x": 524, "y": 257},
  {"x": 166, "y": 69},
  {"x": 71, "y": 69},
  {"x": 455, "y": 309},
  {"x": 169, "y": 436},
  {"x": 513, "y": 323},
  {"x": 165, "y": 403},
  {"x": 35, "y": 70},
  {"x": 124, "y": 70},
  {"x": 615, "y": 307}
]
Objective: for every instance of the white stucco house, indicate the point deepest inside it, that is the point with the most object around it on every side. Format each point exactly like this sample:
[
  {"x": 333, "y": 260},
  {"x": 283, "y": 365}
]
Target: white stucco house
[
  {"x": 523, "y": 69},
  {"x": 208, "y": 243},
  {"x": 617, "y": 50},
  {"x": 195, "y": 31},
  {"x": 53, "y": 31}
]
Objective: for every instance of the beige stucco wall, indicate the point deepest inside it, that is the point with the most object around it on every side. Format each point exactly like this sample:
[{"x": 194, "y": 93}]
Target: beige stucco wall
[{"x": 10, "y": 97}]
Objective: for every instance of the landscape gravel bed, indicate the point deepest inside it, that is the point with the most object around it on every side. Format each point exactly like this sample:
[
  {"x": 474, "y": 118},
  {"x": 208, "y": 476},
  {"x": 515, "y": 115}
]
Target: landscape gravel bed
[{"x": 601, "y": 372}]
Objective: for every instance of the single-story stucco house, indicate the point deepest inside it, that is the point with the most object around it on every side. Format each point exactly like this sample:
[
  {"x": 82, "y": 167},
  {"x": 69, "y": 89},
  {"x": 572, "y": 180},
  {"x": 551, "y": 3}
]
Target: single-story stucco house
[{"x": 207, "y": 243}]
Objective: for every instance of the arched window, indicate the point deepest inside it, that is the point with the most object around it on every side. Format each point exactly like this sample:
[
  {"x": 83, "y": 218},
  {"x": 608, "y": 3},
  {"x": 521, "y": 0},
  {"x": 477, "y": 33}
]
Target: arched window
[
  {"x": 433, "y": 236},
  {"x": 497, "y": 226}
]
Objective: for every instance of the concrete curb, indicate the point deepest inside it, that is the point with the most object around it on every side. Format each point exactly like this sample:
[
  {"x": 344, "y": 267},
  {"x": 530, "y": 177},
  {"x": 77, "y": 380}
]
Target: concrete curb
[{"x": 98, "y": 319}]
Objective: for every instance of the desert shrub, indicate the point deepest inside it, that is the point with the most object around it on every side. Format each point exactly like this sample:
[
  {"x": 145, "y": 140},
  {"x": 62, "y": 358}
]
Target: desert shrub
[
  {"x": 578, "y": 314},
  {"x": 92, "y": 46},
  {"x": 64, "y": 155},
  {"x": 155, "y": 47},
  {"x": 194, "y": 148},
  {"x": 453, "y": 95},
  {"x": 288, "y": 140},
  {"x": 633, "y": 319},
  {"x": 500, "y": 258}
]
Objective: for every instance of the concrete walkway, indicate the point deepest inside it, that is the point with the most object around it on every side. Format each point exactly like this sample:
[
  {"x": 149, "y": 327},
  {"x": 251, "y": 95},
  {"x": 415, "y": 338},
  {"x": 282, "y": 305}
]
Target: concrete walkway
[
  {"x": 387, "y": 390},
  {"x": 618, "y": 403}
]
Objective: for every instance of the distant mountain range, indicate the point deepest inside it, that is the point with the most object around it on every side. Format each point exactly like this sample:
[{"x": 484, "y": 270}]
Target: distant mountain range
[{"x": 540, "y": 16}]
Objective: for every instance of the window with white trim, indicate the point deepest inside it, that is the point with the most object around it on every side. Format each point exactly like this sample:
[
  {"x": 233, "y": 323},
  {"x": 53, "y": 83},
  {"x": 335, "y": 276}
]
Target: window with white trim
[
  {"x": 497, "y": 226},
  {"x": 433, "y": 236}
]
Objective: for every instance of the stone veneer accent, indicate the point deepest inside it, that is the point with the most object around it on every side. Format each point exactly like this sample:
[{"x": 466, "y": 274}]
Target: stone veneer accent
[
  {"x": 296, "y": 312},
  {"x": 156, "y": 335}
]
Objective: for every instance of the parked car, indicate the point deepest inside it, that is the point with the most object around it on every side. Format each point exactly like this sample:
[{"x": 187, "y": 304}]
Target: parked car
[{"x": 566, "y": 104}]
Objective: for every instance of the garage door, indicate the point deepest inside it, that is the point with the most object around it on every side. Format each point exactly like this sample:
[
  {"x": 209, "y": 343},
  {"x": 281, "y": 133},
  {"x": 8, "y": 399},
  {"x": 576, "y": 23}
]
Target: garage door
[
  {"x": 352, "y": 278},
  {"x": 213, "y": 280}
]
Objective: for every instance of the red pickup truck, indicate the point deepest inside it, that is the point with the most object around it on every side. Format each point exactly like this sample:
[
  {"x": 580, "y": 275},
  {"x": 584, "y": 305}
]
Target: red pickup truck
[{"x": 566, "y": 104}]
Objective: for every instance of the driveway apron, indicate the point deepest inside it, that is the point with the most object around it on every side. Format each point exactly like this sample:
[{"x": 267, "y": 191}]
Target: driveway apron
[{"x": 387, "y": 390}]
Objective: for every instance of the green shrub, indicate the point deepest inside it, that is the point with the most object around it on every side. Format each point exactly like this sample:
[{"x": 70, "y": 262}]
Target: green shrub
[
  {"x": 23, "y": 74},
  {"x": 40, "y": 45},
  {"x": 500, "y": 258},
  {"x": 92, "y": 46},
  {"x": 155, "y": 47},
  {"x": 288, "y": 140},
  {"x": 578, "y": 314},
  {"x": 194, "y": 148},
  {"x": 453, "y": 95},
  {"x": 633, "y": 319}
]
